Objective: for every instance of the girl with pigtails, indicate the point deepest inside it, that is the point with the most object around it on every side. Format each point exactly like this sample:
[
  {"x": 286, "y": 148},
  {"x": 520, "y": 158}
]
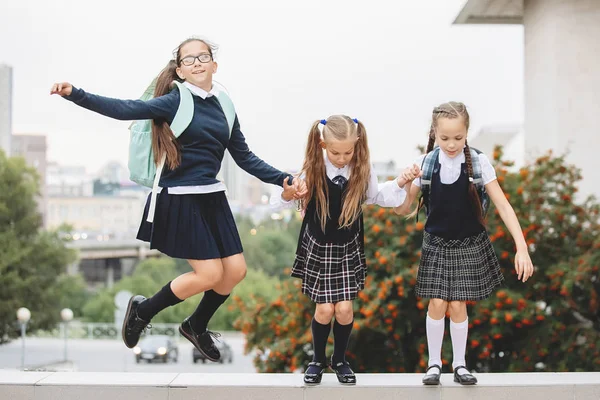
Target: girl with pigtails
[
  {"x": 458, "y": 263},
  {"x": 330, "y": 258}
]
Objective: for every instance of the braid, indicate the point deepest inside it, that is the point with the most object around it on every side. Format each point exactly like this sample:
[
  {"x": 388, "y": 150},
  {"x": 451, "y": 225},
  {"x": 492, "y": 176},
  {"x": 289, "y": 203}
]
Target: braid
[
  {"x": 431, "y": 141},
  {"x": 473, "y": 195}
]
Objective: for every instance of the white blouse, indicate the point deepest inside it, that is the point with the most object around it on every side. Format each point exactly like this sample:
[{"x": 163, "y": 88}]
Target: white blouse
[
  {"x": 386, "y": 194},
  {"x": 450, "y": 168}
]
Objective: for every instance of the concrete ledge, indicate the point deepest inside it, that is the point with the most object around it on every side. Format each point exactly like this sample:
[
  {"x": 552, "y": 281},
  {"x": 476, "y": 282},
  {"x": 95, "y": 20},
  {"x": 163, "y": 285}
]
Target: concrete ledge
[{"x": 19, "y": 385}]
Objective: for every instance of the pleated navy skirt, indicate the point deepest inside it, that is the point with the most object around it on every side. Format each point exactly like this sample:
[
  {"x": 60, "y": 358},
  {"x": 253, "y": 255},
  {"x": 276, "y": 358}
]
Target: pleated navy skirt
[{"x": 191, "y": 226}]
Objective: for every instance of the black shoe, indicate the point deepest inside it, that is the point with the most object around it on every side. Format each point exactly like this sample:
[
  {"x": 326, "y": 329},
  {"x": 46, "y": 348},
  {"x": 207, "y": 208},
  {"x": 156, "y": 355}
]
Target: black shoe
[
  {"x": 465, "y": 379},
  {"x": 314, "y": 372},
  {"x": 431, "y": 379},
  {"x": 133, "y": 326},
  {"x": 343, "y": 372},
  {"x": 203, "y": 341}
]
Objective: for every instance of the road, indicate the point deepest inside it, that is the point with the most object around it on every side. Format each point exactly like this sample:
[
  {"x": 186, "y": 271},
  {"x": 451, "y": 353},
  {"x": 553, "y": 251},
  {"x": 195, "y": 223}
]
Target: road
[{"x": 112, "y": 356}]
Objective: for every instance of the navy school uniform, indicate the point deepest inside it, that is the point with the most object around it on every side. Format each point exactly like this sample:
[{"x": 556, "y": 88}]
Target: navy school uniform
[
  {"x": 193, "y": 219},
  {"x": 458, "y": 262},
  {"x": 331, "y": 262}
]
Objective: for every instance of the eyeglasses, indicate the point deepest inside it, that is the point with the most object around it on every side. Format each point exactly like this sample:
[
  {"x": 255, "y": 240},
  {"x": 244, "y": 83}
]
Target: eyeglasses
[{"x": 190, "y": 60}]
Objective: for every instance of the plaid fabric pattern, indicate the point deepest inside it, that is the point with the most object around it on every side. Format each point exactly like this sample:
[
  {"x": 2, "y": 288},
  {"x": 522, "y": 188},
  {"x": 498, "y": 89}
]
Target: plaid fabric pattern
[
  {"x": 427, "y": 166},
  {"x": 458, "y": 270},
  {"x": 330, "y": 272}
]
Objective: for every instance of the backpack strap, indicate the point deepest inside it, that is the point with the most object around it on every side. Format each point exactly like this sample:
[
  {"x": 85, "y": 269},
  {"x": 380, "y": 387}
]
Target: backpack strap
[
  {"x": 228, "y": 108},
  {"x": 182, "y": 119},
  {"x": 185, "y": 111},
  {"x": 477, "y": 174},
  {"x": 478, "y": 179},
  {"x": 427, "y": 166}
]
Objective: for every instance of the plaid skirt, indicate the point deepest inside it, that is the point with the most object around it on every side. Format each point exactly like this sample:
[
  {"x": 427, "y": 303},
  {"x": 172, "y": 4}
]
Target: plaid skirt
[
  {"x": 330, "y": 272},
  {"x": 458, "y": 270}
]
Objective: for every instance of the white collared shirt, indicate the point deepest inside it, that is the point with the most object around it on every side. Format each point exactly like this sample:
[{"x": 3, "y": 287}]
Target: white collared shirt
[
  {"x": 450, "y": 168},
  {"x": 386, "y": 194},
  {"x": 198, "y": 91}
]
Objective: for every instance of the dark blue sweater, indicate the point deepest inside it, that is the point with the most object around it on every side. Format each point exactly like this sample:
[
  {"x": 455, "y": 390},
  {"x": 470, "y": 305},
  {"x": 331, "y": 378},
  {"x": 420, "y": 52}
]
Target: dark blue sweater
[{"x": 203, "y": 143}]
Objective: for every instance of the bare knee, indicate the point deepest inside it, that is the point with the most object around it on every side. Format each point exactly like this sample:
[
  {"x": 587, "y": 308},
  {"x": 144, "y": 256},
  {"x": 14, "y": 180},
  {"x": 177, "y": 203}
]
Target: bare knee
[
  {"x": 237, "y": 273},
  {"x": 210, "y": 276},
  {"x": 344, "y": 312},
  {"x": 437, "y": 308},
  {"x": 458, "y": 311},
  {"x": 324, "y": 313}
]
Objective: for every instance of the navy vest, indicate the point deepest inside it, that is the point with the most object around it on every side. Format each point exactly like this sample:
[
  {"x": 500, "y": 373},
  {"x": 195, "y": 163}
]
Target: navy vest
[
  {"x": 332, "y": 233},
  {"x": 451, "y": 213}
]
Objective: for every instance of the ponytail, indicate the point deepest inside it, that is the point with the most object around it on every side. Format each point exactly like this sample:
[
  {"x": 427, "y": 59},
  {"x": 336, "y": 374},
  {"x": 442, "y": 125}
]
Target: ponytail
[{"x": 163, "y": 139}]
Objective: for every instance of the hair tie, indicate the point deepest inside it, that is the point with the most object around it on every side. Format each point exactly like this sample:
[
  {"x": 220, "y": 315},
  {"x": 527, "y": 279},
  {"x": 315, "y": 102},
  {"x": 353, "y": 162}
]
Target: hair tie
[
  {"x": 323, "y": 121},
  {"x": 355, "y": 120},
  {"x": 471, "y": 179}
]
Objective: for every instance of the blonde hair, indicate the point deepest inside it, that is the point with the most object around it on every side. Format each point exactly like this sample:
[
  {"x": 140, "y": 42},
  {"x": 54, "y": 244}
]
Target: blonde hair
[{"x": 338, "y": 127}]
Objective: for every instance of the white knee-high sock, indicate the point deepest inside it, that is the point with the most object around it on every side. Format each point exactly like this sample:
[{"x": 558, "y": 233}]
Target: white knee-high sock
[
  {"x": 458, "y": 332},
  {"x": 435, "y": 337}
]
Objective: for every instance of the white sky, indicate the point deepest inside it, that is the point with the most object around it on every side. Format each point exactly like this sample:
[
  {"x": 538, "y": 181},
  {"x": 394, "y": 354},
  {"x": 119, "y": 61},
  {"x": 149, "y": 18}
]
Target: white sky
[{"x": 285, "y": 65}]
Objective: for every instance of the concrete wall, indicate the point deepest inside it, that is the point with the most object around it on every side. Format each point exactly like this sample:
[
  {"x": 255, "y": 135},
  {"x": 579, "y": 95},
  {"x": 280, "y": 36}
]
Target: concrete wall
[
  {"x": 562, "y": 82},
  {"x": 190, "y": 386}
]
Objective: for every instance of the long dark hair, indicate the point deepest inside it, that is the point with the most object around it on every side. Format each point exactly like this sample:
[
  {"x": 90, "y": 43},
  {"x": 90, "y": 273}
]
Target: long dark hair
[{"x": 163, "y": 139}]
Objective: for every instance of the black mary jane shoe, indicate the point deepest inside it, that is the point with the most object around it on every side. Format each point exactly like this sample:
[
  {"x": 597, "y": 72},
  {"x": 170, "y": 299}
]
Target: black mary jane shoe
[
  {"x": 343, "y": 372},
  {"x": 432, "y": 379},
  {"x": 464, "y": 379},
  {"x": 314, "y": 372}
]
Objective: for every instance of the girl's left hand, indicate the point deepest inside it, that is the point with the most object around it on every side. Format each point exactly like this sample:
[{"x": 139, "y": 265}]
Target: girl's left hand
[
  {"x": 523, "y": 265},
  {"x": 409, "y": 174},
  {"x": 289, "y": 190},
  {"x": 301, "y": 188}
]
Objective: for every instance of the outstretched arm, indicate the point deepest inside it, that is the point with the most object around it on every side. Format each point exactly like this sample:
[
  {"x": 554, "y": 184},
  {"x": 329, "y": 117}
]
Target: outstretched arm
[
  {"x": 413, "y": 191},
  {"x": 163, "y": 107},
  {"x": 249, "y": 162}
]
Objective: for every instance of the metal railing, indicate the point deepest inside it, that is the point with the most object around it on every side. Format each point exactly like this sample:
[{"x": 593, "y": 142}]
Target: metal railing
[{"x": 104, "y": 330}]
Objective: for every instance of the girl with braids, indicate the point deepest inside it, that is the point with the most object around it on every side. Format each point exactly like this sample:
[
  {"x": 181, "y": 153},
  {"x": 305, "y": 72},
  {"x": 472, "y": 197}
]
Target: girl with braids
[
  {"x": 330, "y": 258},
  {"x": 458, "y": 262},
  {"x": 192, "y": 219}
]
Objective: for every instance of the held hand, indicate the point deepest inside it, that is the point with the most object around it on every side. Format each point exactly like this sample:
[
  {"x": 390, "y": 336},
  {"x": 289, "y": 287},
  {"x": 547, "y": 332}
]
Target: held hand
[
  {"x": 523, "y": 265},
  {"x": 301, "y": 188},
  {"x": 288, "y": 190},
  {"x": 62, "y": 89},
  {"x": 408, "y": 175}
]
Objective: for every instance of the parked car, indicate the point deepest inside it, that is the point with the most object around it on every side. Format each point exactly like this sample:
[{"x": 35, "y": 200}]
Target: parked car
[
  {"x": 156, "y": 348},
  {"x": 224, "y": 348}
]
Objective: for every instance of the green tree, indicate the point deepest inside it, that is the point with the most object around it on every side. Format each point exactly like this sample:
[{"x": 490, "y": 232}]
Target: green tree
[
  {"x": 72, "y": 292},
  {"x": 550, "y": 323},
  {"x": 31, "y": 260},
  {"x": 271, "y": 245}
]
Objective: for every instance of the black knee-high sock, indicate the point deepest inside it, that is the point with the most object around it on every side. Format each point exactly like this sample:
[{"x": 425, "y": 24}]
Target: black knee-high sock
[
  {"x": 161, "y": 300},
  {"x": 320, "y": 334},
  {"x": 209, "y": 304},
  {"x": 341, "y": 336}
]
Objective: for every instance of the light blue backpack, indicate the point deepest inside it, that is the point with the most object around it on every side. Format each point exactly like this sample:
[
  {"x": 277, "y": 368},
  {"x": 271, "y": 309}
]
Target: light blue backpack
[{"x": 143, "y": 169}]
